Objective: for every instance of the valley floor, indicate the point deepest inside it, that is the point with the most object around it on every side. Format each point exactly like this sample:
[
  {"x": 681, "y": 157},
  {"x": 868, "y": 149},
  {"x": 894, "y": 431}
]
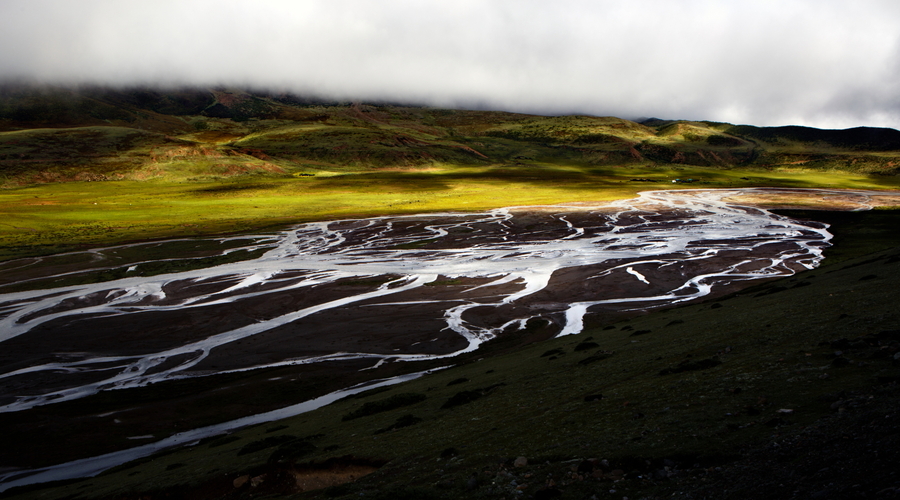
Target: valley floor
[{"x": 741, "y": 391}]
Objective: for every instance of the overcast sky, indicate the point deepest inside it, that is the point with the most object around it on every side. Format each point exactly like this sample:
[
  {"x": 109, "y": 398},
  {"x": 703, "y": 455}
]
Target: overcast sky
[{"x": 824, "y": 63}]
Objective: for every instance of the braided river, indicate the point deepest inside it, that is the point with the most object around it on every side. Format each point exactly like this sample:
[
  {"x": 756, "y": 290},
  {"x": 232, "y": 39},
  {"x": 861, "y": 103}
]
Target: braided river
[{"x": 394, "y": 289}]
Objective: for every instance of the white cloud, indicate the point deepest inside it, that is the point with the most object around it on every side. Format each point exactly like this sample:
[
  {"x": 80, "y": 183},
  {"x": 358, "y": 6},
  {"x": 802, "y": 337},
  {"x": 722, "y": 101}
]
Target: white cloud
[{"x": 815, "y": 62}]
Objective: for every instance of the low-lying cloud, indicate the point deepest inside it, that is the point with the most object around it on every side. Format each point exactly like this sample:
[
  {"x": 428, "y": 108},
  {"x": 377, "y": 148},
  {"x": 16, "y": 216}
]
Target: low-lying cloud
[{"x": 822, "y": 63}]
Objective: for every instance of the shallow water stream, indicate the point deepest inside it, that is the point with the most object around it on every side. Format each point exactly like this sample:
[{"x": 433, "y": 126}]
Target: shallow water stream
[{"x": 453, "y": 281}]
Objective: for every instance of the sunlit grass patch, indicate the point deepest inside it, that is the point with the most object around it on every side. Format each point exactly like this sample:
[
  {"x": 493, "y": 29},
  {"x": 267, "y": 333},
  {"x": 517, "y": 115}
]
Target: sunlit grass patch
[{"x": 101, "y": 213}]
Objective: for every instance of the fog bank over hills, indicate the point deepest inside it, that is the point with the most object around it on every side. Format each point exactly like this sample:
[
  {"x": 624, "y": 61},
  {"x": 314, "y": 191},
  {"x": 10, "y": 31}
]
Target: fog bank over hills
[{"x": 820, "y": 64}]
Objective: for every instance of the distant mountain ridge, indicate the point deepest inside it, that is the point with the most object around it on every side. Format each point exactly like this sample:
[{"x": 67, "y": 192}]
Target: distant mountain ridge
[{"x": 304, "y": 135}]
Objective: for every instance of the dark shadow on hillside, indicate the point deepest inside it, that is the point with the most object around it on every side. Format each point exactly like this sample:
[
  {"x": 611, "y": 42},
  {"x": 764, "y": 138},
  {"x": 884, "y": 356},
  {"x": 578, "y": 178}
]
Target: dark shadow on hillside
[
  {"x": 383, "y": 181},
  {"x": 856, "y": 139},
  {"x": 522, "y": 173},
  {"x": 237, "y": 186}
]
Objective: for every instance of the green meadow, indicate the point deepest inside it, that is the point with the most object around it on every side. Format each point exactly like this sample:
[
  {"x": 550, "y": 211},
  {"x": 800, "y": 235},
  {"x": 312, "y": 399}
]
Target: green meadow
[{"x": 48, "y": 218}]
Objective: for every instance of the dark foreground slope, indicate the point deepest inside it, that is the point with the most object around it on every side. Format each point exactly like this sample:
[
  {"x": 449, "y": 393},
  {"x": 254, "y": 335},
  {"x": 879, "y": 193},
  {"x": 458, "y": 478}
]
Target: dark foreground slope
[{"x": 788, "y": 389}]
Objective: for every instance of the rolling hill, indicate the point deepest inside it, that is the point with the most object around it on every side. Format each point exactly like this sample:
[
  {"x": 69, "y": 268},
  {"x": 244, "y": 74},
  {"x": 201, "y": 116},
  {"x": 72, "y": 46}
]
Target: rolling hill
[{"x": 220, "y": 133}]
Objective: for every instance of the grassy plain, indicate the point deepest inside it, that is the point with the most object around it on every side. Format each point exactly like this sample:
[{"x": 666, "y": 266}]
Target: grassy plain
[{"x": 48, "y": 218}]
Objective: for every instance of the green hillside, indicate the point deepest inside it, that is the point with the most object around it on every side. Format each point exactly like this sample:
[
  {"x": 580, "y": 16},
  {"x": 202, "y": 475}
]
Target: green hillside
[
  {"x": 279, "y": 135},
  {"x": 95, "y": 166}
]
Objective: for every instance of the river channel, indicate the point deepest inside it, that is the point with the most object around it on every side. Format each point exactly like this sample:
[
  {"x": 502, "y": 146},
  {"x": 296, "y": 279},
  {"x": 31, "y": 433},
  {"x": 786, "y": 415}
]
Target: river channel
[{"x": 395, "y": 289}]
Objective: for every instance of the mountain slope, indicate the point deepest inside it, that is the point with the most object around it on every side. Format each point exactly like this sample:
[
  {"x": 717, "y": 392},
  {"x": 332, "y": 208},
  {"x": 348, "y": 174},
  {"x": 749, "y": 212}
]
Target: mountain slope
[{"x": 295, "y": 135}]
